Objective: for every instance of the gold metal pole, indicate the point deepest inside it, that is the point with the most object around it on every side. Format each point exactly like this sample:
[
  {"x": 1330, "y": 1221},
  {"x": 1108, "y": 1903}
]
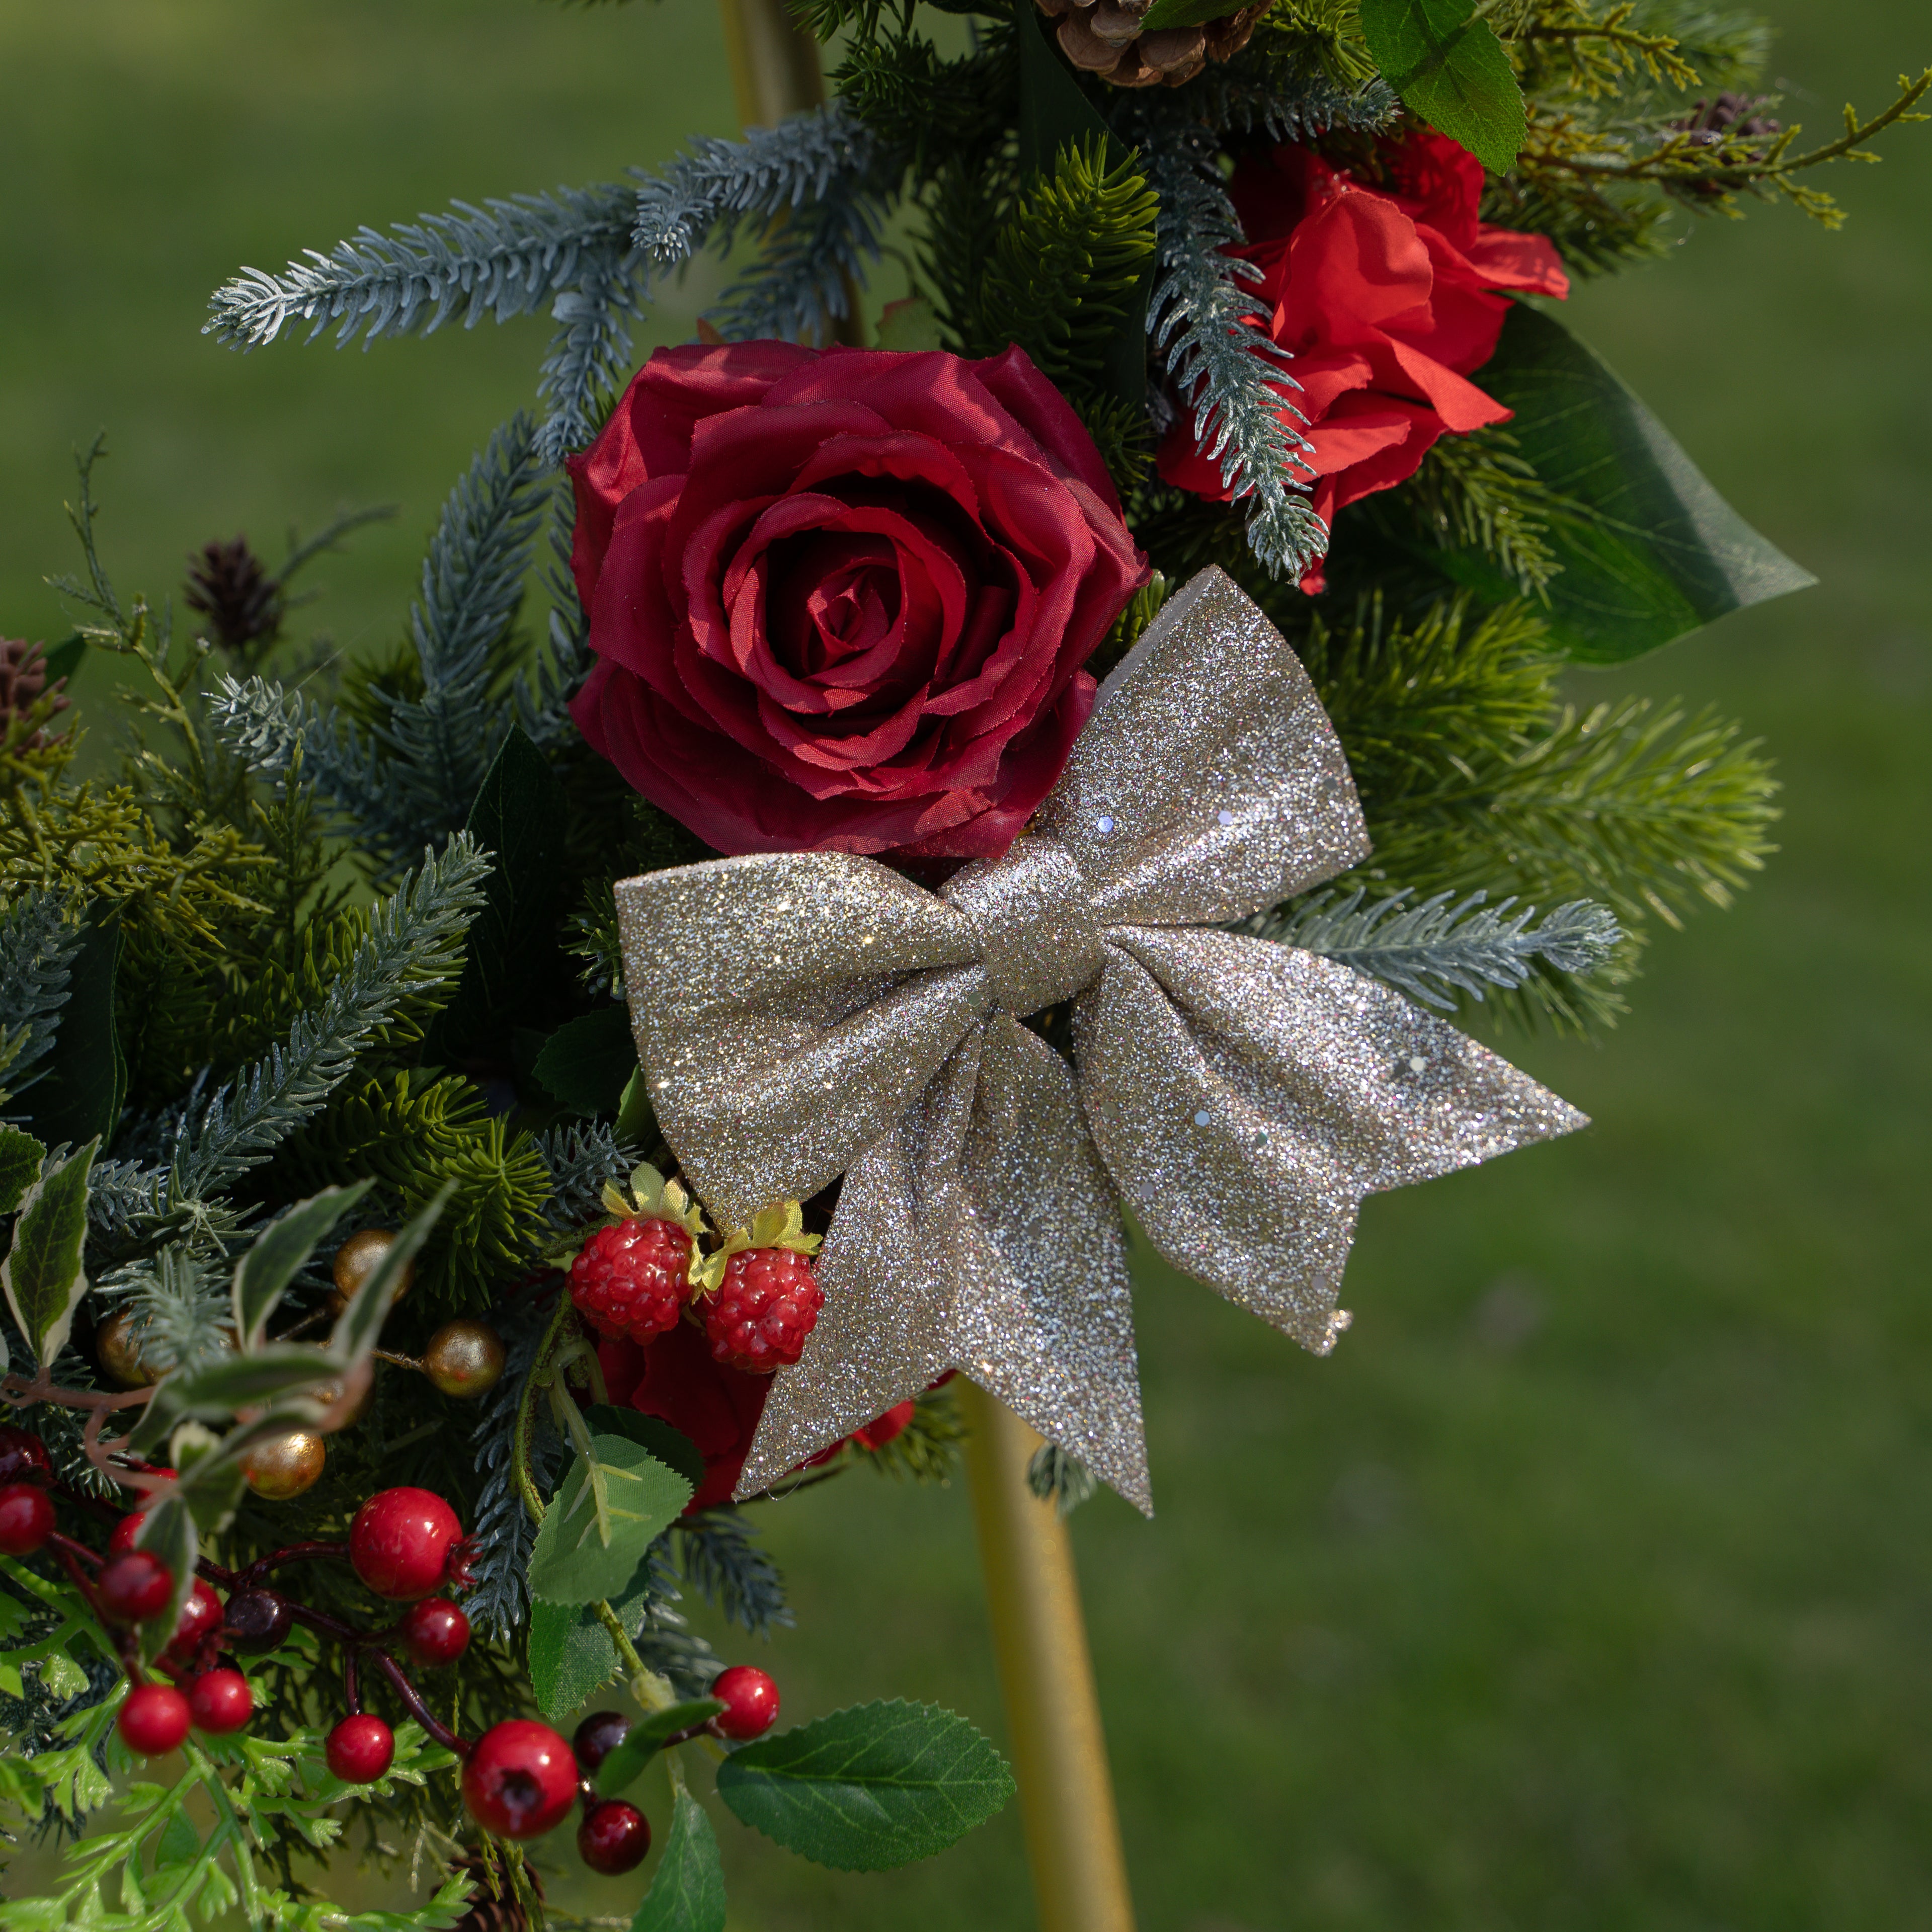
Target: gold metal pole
[
  {"x": 774, "y": 69},
  {"x": 1033, "y": 1596}
]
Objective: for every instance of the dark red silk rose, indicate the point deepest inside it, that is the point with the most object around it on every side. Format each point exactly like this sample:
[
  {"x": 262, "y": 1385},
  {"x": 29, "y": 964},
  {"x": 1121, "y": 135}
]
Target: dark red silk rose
[
  {"x": 676, "y": 1380},
  {"x": 840, "y": 598},
  {"x": 1387, "y": 297}
]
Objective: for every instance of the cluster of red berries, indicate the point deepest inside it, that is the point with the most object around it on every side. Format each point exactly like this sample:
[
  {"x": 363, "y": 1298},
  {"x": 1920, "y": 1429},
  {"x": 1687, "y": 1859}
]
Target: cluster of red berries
[
  {"x": 630, "y": 1281},
  {"x": 521, "y": 1778}
]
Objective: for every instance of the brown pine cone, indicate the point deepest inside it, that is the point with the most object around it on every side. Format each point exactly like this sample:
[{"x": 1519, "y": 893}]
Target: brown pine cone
[
  {"x": 1104, "y": 37},
  {"x": 23, "y": 680},
  {"x": 227, "y": 583}
]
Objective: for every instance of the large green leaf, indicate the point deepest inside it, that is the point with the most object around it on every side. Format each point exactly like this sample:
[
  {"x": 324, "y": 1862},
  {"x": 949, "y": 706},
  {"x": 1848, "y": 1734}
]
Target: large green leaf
[
  {"x": 42, "y": 1276},
  {"x": 611, "y": 1507},
  {"x": 687, "y": 1892},
  {"x": 866, "y": 1788},
  {"x": 20, "y": 1158},
  {"x": 1655, "y": 552},
  {"x": 1450, "y": 68},
  {"x": 262, "y": 1274},
  {"x": 625, "y": 1764},
  {"x": 571, "y": 1655},
  {"x": 671, "y": 1446},
  {"x": 585, "y": 1064},
  {"x": 84, "y": 1078}
]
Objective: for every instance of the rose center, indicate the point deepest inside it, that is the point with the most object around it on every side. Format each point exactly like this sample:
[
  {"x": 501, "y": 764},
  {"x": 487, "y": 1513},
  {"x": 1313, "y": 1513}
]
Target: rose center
[{"x": 836, "y": 596}]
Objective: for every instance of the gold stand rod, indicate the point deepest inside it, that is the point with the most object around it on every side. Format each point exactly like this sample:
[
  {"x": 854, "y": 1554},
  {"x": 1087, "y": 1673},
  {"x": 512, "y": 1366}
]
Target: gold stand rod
[
  {"x": 774, "y": 62},
  {"x": 1032, "y": 1597}
]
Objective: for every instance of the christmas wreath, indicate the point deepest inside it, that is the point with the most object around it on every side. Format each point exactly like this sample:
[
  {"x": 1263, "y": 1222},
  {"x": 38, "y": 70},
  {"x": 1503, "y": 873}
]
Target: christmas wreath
[{"x": 1054, "y": 750}]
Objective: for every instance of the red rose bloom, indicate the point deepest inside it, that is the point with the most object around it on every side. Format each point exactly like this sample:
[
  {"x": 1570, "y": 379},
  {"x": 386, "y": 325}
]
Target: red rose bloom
[
  {"x": 840, "y": 598},
  {"x": 1386, "y": 299},
  {"x": 676, "y": 1380}
]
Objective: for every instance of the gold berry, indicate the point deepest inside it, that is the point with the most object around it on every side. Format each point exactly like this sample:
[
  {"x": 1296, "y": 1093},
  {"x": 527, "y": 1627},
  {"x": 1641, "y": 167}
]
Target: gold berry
[
  {"x": 464, "y": 1358},
  {"x": 120, "y": 1352},
  {"x": 283, "y": 1466},
  {"x": 358, "y": 1257}
]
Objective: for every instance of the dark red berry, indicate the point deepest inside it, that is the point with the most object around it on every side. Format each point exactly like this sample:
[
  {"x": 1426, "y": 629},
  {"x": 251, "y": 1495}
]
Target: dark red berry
[
  {"x": 360, "y": 1749},
  {"x": 401, "y": 1542},
  {"x": 751, "y": 1701},
  {"x": 598, "y": 1736},
  {"x": 631, "y": 1279},
  {"x": 22, "y": 1456},
  {"x": 763, "y": 1310},
  {"x": 886, "y": 1428},
  {"x": 256, "y": 1620},
  {"x": 125, "y": 1532},
  {"x": 135, "y": 1587},
  {"x": 613, "y": 1837},
  {"x": 219, "y": 1701},
  {"x": 434, "y": 1632},
  {"x": 200, "y": 1619},
  {"x": 154, "y": 1720},
  {"x": 26, "y": 1518},
  {"x": 520, "y": 1779}
]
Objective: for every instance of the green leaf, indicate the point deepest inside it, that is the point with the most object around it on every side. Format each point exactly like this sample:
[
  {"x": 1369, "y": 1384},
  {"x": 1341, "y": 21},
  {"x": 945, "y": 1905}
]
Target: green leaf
[
  {"x": 263, "y": 1273},
  {"x": 623, "y": 1767},
  {"x": 868, "y": 1788},
  {"x": 586, "y": 1065},
  {"x": 637, "y": 1124},
  {"x": 519, "y": 817},
  {"x": 86, "y": 1072},
  {"x": 1655, "y": 551},
  {"x": 599, "y": 1524},
  {"x": 571, "y": 1656},
  {"x": 20, "y": 1158},
  {"x": 208, "y": 1467},
  {"x": 687, "y": 1892},
  {"x": 42, "y": 1276},
  {"x": 168, "y": 1531},
  {"x": 1451, "y": 69},
  {"x": 179, "y": 1842},
  {"x": 671, "y": 1446},
  {"x": 910, "y": 323},
  {"x": 358, "y": 1325},
  {"x": 214, "y": 1390},
  {"x": 63, "y": 659},
  {"x": 61, "y": 1676}
]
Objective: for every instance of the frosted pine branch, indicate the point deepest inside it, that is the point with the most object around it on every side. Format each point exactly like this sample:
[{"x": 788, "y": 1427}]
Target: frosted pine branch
[
  {"x": 581, "y": 1158},
  {"x": 41, "y": 933},
  {"x": 1442, "y": 942},
  {"x": 544, "y": 687}
]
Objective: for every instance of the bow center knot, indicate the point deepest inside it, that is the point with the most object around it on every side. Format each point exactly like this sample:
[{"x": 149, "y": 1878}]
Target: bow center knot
[{"x": 1032, "y": 911}]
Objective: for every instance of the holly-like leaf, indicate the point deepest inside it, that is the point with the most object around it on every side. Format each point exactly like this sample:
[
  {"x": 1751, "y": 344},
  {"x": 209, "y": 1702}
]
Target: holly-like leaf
[
  {"x": 868, "y": 1788},
  {"x": 586, "y": 1065},
  {"x": 687, "y": 1892},
  {"x": 1450, "y": 69},
  {"x": 1654, "y": 551},
  {"x": 624, "y": 1765},
  {"x": 42, "y": 1276},
  {"x": 671, "y": 1446},
  {"x": 20, "y": 1158},
  {"x": 263, "y": 1275},
  {"x": 612, "y": 1505}
]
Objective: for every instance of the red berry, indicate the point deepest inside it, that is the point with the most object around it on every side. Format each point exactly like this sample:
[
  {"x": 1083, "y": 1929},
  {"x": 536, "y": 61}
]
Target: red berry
[
  {"x": 219, "y": 1701},
  {"x": 201, "y": 1617},
  {"x": 613, "y": 1838},
  {"x": 598, "y": 1736},
  {"x": 22, "y": 1456},
  {"x": 154, "y": 1720},
  {"x": 630, "y": 1280},
  {"x": 520, "y": 1779},
  {"x": 26, "y": 1518},
  {"x": 135, "y": 1587},
  {"x": 886, "y": 1428},
  {"x": 125, "y": 1532},
  {"x": 434, "y": 1632},
  {"x": 401, "y": 1541},
  {"x": 751, "y": 1701},
  {"x": 360, "y": 1749},
  {"x": 256, "y": 1620},
  {"x": 763, "y": 1310}
]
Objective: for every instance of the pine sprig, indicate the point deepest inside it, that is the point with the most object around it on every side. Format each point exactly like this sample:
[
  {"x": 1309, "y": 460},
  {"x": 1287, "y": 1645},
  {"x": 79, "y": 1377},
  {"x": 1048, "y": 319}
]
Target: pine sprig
[
  {"x": 717, "y": 1556},
  {"x": 40, "y": 936}
]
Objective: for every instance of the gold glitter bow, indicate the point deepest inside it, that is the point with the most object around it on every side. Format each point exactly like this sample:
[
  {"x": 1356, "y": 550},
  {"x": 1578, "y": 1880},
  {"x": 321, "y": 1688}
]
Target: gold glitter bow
[{"x": 802, "y": 1015}]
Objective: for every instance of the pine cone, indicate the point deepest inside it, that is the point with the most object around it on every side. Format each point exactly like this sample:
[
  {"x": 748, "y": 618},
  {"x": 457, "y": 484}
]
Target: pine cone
[
  {"x": 486, "y": 1914},
  {"x": 23, "y": 680},
  {"x": 1104, "y": 37},
  {"x": 228, "y": 584}
]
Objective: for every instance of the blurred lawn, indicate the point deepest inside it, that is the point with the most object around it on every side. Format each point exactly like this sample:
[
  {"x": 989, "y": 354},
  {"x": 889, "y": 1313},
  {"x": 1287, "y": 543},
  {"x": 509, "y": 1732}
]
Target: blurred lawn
[{"x": 1587, "y": 1585}]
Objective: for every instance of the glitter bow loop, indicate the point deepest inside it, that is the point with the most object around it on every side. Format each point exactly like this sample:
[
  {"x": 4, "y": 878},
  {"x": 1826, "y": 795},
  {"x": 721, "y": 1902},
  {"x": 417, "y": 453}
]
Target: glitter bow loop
[{"x": 804, "y": 1016}]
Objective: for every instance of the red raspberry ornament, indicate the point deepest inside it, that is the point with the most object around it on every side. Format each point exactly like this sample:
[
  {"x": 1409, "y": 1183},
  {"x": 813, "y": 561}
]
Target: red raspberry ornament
[
  {"x": 519, "y": 1780},
  {"x": 613, "y": 1838},
  {"x": 135, "y": 1587},
  {"x": 751, "y": 1701},
  {"x": 435, "y": 1632},
  {"x": 630, "y": 1282},
  {"x": 22, "y": 1456},
  {"x": 219, "y": 1701},
  {"x": 402, "y": 1542},
  {"x": 360, "y": 1749},
  {"x": 154, "y": 1720},
  {"x": 764, "y": 1309},
  {"x": 26, "y": 1518}
]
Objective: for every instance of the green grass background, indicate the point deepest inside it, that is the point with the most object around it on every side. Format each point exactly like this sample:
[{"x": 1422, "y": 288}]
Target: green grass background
[{"x": 1587, "y": 1585}]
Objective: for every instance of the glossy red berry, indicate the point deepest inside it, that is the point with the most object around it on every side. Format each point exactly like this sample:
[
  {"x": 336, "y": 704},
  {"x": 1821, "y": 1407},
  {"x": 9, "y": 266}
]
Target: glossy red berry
[
  {"x": 125, "y": 1532},
  {"x": 613, "y": 1837},
  {"x": 219, "y": 1701},
  {"x": 886, "y": 1428},
  {"x": 401, "y": 1541},
  {"x": 154, "y": 1720},
  {"x": 256, "y": 1620},
  {"x": 26, "y": 1518},
  {"x": 360, "y": 1749},
  {"x": 22, "y": 1456},
  {"x": 751, "y": 1701},
  {"x": 201, "y": 1617},
  {"x": 598, "y": 1736},
  {"x": 764, "y": 1309},
  {"x": 519, "y": 1780},
  {"x": 434, "y": 1632},
  {"x": 630, "y": 1281},
  {"x": 135, "y": 1587}
]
